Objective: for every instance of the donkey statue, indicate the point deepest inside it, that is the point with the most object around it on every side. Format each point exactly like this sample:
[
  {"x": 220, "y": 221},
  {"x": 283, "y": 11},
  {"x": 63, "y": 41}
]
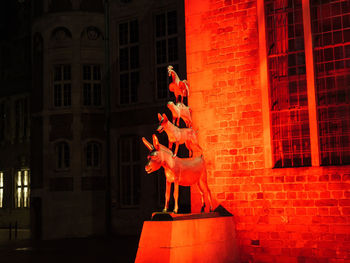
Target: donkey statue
[
  {"x": 180, "y": 171},
  {"x": 179, "y": 87}
]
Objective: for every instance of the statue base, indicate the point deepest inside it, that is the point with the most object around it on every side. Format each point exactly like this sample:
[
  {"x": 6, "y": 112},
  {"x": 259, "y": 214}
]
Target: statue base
[{"x": 206, "y": 237}]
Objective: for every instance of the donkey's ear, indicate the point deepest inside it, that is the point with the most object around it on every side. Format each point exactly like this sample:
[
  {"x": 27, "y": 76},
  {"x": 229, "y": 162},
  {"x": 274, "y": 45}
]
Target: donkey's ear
[
  {"x": 148, "y": 144},
  {"x": 155, "y": 142},
  {"x": 160, "y": 117},
  {"x": 165, "y": 117}
]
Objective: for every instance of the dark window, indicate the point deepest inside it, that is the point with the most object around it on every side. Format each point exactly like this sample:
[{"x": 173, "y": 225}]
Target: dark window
[
  {"x": 21, "y": 119},
  {"x": 62, "y": 155},
  {"x": 166, "y": 40},
  {"x": 330, "y": 22},
  {"x": 130, "y": 169},
  {"x": 62, "y": 86},
  {"x": 92, "y": 85},
  {"x": 93, "y": 155},
  {"x": 287, "y": 83},
  {"x": 2, "y": 121},
  {"x": 129, "y": 75}
]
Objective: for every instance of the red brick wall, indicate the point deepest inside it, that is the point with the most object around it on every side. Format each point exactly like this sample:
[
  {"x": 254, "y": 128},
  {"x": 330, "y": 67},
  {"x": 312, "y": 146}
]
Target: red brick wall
[{"x": 282, "y": 215}]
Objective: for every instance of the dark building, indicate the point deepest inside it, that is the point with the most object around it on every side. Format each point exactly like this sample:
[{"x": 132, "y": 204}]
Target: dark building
[
  {"x": 99, "y": 79},
  {"x": 269, "y": 92},
  {"x": 15, "y": 78}
]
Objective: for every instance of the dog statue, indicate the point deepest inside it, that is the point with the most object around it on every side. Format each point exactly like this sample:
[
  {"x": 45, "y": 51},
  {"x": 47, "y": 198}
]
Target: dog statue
[
  {"x": 180, "y": 171},
  {"x": 180, "y": 110},
  {"x": 178, "y": 135}
]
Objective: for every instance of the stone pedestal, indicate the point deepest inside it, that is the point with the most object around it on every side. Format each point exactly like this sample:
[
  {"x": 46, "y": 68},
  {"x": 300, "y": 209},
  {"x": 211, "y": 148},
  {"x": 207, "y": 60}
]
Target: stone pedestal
[{"x": 188, "y": 238}]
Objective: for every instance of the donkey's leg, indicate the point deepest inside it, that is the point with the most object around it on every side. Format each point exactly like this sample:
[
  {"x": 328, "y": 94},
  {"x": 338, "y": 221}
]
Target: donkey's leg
[
  {"x": 204, "y": 185},
  {"x": 176, "y": 196},
  {"x": 202, "y": 197},
  {"x": 170, "y": 146},
  {"x": 167, "y": 196},
  {"x": 188, "y": 146},
  {"x": 176, "y": 149}
]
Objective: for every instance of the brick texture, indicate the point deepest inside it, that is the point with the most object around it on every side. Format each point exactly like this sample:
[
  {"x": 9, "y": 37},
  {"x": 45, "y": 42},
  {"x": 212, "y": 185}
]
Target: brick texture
[{"x": 282, "y": 215}]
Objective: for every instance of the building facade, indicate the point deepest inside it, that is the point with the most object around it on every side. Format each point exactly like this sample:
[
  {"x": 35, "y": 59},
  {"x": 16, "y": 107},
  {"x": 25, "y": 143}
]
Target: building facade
[
  {"x": 269, "y": 92},
  {"x": 270, "y": 96},
  {"x": 14, "y": 123},
  {"x": 94, "y": 96}
]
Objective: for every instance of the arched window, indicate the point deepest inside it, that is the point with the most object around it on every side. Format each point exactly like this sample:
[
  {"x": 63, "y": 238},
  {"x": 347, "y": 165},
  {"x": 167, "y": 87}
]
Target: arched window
[
  {"x": 93, "y": 155},
  {"x": 62, "y": 155},
  {"x": 60, "y": 34},
  {"x": 60, "y": 37}
]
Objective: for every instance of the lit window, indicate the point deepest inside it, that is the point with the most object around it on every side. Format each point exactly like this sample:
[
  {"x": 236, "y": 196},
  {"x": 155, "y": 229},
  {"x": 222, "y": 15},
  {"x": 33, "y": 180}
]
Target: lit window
[
  {"x": 62, "y": 155},
  {"x": 92, "y": 85},
  {"x": 22, "y": 189},
  {"x": 287, "y": 79},
  {"x": 1, "y": 189},
  {"x": 93, "y": 155},
  {"x": 330, "y": 22},
  {"x": 129, "y": 73},
  {"x": 62, "y": 86},
  {"x": 166, "y": 38},
  {"x": 328, "y": 65},
  {"x": 130, "y": 180}
]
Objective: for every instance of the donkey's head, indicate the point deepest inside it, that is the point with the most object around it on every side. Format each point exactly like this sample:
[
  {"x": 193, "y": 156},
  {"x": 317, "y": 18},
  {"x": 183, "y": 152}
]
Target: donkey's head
[
  {"x": 163, "y": 121},
  {"x": 155, "y": 156}
]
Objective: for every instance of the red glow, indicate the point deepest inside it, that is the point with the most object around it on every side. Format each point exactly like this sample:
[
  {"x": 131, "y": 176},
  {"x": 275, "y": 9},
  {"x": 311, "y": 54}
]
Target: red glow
[{"x": 282, "y": 215}]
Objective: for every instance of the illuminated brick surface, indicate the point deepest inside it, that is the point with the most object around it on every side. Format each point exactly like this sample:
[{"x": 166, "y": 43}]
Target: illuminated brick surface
[{"x": 282, "y": 215}]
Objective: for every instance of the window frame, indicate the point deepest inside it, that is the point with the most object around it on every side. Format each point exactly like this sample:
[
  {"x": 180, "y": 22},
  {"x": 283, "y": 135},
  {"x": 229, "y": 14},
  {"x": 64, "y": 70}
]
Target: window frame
[
  {"x": 62, "y": 87},
  {"x": 98, "y": 146},
  {"x": 133, "y": 92},
  {"x": 162, "y": 66},
  {"x": 22, "y": 185},
  {"x": 92, "y": 83},
  {"x": 21, "y": 118},
  {"x": 3, "y": 122},
  {"x": 310, "y": 78},
  {"x": 131, "y": 164},
  {"x": 60, "y": 146},
  {"x": 2, "y": 186}
]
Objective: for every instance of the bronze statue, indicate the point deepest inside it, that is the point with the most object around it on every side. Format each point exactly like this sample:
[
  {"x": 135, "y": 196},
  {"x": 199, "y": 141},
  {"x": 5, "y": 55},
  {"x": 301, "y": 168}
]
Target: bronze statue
[
  {"x": 178, "y": 135},
  {"x": 179, "y": 87},
  {"x": 180, "y": 171},
  {"x": 180, "y": 110}
]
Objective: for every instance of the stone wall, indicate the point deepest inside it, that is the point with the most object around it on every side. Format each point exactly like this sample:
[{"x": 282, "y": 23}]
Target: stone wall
[{"x": 282, "y": 215}]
